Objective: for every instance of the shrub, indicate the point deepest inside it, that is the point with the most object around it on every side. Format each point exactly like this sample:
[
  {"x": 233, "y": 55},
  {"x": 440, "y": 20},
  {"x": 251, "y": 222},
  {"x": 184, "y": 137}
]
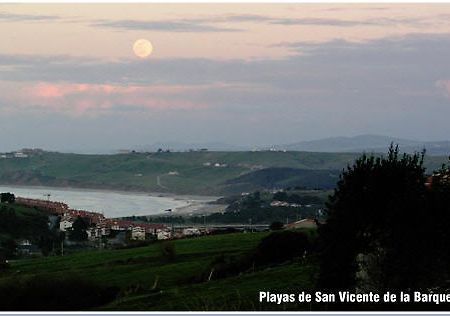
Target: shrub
[
  {"x": 225, "y": 266},
  {"x": 7, "y": 197},
  {"x": 281, "y": 246},
  {"x": 167, "y": 249},
  {"x": 276, "y": 226}
]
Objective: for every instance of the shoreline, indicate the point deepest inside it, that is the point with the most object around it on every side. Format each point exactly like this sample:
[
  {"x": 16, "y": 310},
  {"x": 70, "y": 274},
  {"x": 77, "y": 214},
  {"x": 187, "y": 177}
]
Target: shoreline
[
  {"x": 195, "y": 204},
  {"x": 124, "y": 192}
]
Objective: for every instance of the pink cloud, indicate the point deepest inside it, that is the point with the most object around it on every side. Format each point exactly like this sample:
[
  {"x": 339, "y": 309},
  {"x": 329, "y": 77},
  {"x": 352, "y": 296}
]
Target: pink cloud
[
  {"x": 45, "y": 90},
  {"x": 444, "y": 85},
  {"x": 81, "y": 98},
  {"x": 58, "y": 90}
]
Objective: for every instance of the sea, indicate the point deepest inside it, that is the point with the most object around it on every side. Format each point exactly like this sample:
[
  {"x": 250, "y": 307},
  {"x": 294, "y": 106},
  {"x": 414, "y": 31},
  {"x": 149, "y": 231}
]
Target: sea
[{"x": 110, "y": 203}]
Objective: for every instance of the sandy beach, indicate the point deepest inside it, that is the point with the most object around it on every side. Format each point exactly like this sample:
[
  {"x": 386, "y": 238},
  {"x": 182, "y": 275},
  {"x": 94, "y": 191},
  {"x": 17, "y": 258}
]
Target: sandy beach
[{"x": 196, "y": 207}]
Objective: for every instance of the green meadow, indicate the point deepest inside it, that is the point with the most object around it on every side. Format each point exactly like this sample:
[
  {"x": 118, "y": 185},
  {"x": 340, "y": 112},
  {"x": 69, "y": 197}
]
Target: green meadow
[{"x": 148, "y": 280}]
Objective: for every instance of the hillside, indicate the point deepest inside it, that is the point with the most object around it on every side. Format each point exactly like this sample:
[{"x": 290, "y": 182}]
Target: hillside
[
  {"x": 181, "y": 172},
  {"x": 19, "y": 221},
  {"x": 133, "y": 272},
  {"x": 286, "y": 177}
]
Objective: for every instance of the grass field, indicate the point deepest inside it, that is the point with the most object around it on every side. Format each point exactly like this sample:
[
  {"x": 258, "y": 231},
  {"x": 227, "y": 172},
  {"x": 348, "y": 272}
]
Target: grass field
[
  {"x": 139, "y": 171},
  {"x": 135, "y": 270}
]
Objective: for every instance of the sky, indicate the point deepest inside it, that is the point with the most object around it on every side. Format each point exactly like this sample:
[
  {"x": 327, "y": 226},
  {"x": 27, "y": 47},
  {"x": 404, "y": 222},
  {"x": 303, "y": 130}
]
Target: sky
[{"x": 241, "y": 74}]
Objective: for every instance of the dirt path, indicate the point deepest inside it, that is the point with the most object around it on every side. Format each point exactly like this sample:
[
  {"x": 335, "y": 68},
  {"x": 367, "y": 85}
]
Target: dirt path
[{"x": 158, "y": 183}]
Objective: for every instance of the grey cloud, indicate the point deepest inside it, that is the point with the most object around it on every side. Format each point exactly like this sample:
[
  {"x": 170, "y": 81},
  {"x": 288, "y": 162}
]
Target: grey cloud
[
  {"x": 244, "y": 18},
  {"x": 13, "y": 17},
  {"x": 323, "y": 21},
  {"x": 320, "y": 21},
  {"x": 206, "y": 24},
  {"x": 346, "y": 23},
  {"x": 346, "y": 8},
  {"x": 167, "y": 26}
]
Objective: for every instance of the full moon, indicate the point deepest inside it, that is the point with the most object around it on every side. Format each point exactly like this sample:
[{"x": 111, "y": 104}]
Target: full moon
[{"x": 142, "y": 48}]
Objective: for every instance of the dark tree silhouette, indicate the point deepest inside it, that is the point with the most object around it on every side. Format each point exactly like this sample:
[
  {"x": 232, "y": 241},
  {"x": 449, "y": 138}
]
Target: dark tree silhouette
[
  {"x": 375, "y": 237},
  {"x": 7, "y": 197},
  {"x": 78, "y": 232},
  {"x": 280, "y": 196},
  {"x": 276, "y": 226},
  {"x": 281, "y": 246}
]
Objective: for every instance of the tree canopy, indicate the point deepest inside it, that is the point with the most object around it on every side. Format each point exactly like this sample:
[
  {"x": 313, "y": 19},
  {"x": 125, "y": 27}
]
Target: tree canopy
[
  {"x": 7, "y": 197},
  {"x": 79, "y": 227},
  {"x": 386, "y": 229}
]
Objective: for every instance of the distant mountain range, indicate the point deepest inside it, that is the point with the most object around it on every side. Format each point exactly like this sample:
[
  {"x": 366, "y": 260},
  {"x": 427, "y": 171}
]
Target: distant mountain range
[
  {"x": 369, "y": 143},
  {"x": 361, "y": 143}
]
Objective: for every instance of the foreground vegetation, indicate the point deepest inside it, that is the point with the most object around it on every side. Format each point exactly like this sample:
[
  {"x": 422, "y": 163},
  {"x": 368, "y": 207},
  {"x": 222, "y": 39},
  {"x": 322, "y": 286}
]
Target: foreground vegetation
[
  {"x": 387, "y": 230},
  {"x": 19, "y": 222},
  {"x": 152, "y": 278}
]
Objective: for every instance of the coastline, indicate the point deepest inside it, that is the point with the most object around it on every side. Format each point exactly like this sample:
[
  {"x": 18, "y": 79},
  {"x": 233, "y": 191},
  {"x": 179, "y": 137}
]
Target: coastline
[
  {"x": 194, "y": 204},
  {"x": 125, "y": 192},
  {"x": 199, "y": 208}
]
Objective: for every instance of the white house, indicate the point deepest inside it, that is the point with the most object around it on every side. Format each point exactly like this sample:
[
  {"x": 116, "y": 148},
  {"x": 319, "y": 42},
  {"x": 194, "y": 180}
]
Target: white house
[
  {"x": 66, "y": 224},
  {"x": 105, "y": 231},
  {"x": 138, "y": 233},
  {"x": 93, "y": 233},
  {"x": 162, "y": 234},
  {"x": 279, "y": 203},
  {"x": 20, "y": 155},
  {"x": 191, "y": 232}
]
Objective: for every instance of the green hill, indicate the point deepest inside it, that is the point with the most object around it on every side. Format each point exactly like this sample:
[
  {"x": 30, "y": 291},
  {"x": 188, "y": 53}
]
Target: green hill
[
  {"x": 179, "y": 172},
  {"x": 134, "y": 271},
  {"x": 22, "y": 222}
]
